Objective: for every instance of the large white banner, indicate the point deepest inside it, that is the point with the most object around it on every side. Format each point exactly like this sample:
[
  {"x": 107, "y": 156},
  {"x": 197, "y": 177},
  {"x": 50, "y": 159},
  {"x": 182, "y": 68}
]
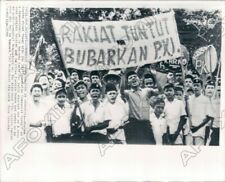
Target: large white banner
[{"x": 117, "y": 44}]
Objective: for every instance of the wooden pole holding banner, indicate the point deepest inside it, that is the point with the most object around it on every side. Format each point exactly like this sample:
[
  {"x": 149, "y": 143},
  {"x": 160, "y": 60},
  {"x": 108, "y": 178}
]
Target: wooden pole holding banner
[
  {"x": 68, "y": 74},
  {"x": 186, "y": 100},
  {"x": 36, "y": 50}
]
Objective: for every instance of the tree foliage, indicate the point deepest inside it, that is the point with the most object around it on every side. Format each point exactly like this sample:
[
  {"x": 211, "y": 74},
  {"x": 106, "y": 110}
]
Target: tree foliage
[{"x": 196, "y": 28}]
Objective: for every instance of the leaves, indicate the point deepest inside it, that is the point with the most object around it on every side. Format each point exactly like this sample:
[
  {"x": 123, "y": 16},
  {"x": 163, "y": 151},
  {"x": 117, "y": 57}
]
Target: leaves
[{"x": 196, "y": 28}]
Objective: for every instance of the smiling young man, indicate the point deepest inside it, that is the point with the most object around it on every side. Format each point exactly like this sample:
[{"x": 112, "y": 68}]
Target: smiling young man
[
  {"x": 138, "y": 131},
  {"x": 82, "y": 91},
  {"x": 60, "y": 123}
]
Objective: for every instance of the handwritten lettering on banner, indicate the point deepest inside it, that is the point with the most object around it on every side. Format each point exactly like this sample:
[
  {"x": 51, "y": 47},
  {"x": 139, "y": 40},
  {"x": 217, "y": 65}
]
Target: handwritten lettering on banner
[{"x": 117, "y": 44}]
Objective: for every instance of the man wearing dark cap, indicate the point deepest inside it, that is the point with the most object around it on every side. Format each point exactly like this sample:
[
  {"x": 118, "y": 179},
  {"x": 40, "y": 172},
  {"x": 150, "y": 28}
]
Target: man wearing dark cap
[
  {"x": 94, "y": 120},
  {"x": 175, "y": 114},
  {"x": 209, "y": 88},
  {"x": 95, "y": 77},
  {"x": 117, "y": 113},
  {"x": 199, "y": 106},
  {"x": 138, "y": 131}
]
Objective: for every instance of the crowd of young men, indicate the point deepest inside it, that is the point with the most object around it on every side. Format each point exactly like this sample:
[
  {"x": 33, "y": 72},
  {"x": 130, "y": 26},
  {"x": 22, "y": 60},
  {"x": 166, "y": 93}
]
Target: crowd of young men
[{"x": 123, "y": 108}]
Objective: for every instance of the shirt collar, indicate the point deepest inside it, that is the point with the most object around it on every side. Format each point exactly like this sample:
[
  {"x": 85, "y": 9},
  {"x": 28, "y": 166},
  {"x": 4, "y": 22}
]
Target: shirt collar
[{"x": 139, "y": 89}]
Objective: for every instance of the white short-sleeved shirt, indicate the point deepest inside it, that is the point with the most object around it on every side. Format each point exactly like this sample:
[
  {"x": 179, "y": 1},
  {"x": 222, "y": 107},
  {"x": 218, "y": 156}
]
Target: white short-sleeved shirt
[
  {"x": 199, "y": 108},
  {"x": 93, "y": 116},
  {"x": 173, "y": 111},
  {"x": 36, "y": 114},
  {"x": 214, "y": 111},
  {"x": 158, "y": 126},
  {"x": 59, "y": 119},
  {"x": 117, "y": 113}
]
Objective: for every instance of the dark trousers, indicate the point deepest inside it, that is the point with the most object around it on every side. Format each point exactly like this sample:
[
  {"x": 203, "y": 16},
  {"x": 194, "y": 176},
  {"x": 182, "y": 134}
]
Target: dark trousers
[
  {"x": 95, "y": 138},
  {"x": 139, "y": 132},
  {"x": 64, "y": 138},
  {"x": 215, "y": 137}
]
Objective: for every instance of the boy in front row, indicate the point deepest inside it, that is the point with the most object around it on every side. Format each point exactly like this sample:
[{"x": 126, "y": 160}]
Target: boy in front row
[{"x": 158, "y": 120}]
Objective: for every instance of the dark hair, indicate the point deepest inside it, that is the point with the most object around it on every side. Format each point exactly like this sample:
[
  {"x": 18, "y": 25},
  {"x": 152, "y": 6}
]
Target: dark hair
[
  {"x": 80, "y": 82},
  {"x": 60, "y": 91},
  {"x": 179, "y": 88},
  {"x": 158, "y": 100},
  {"x": 95, "y": 73},
  {"x": 51, "y": 74},
  {"x": 189, "y": 76},
  {"x": 168, "y": 85},
  {"x": 152, "y": 93},
  {"x": 36, "y": 85},
  {"x": 130, "y": 73},
  {"x": 60, "y": 80},
  {"x": 146, "y": 76}
]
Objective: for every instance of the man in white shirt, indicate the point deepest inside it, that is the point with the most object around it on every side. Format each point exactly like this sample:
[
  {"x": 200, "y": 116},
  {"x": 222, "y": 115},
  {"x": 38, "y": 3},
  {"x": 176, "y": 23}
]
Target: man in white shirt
[
  {"x": 117, "y": 113},
  {"x": 94, "y": 120},
  {"x": 175, "y": 114},
  {"x": 60, "y": 121},
  {"x": 213, "y": 130},
  {"x": 199, "y": 106}
]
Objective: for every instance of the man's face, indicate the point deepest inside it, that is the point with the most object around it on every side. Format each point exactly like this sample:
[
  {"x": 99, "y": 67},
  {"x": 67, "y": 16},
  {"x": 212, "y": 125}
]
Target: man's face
[
  {"x": 209, "y": 90},
  {"x": 152, "y": 100},
  {"x": 169, "y": 93},
  {"x": 60, "y": 74},
  {"x": 95, "y": 79},
  {"x": 190, "y": 93},
  {"x": 50, "y": 79},
  {"x": 95, "y": 94},
  {"x": 68, "y": 83},
  {"x": 197, "y": 88},
  {"x": 43, "y": 80},
  {"x": 61, "y": 99},
  {"x": 178, "y": 78},
  {"x": 57, "y": 84},
  {"x": 179, "y": 94},
  {"x": 133, "y": 80},
  {"x": 111, "y": 96},
  {"x": 159, "y": 108},
  {"x": 87, "y": 80},
  {"x": 81, "y": 91},
  {"x": 74, "y": 77},
  {"x": 36, "y": 93},
  {"x": 188, "y": 83},
  {"x": 148, "y": 83}
]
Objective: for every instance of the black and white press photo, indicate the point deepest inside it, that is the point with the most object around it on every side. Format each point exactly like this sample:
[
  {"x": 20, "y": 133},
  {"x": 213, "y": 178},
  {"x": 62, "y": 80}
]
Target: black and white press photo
[{"x": 125, "y": 75}]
